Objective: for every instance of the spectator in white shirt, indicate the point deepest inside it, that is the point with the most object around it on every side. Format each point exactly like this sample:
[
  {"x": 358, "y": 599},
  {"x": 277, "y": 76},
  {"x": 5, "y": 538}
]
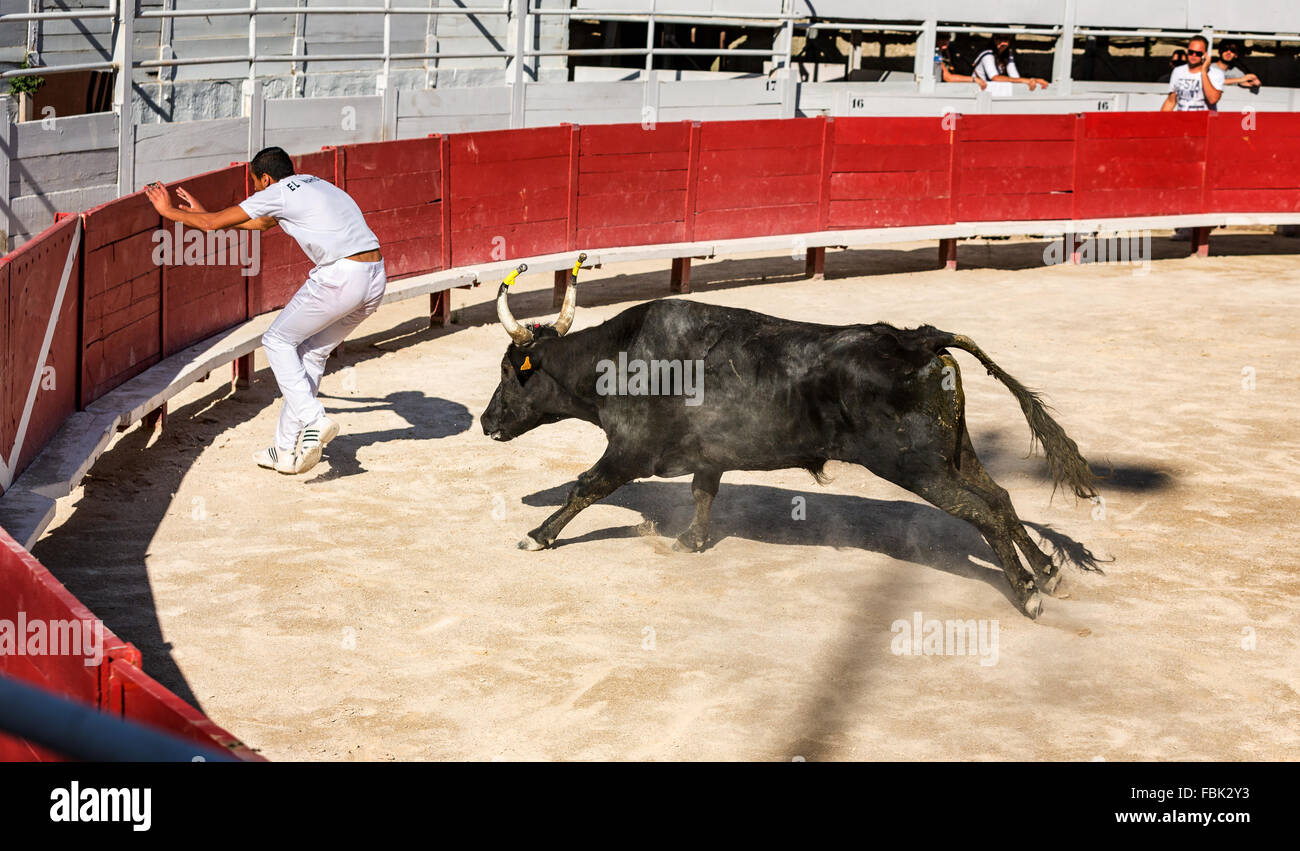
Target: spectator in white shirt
[
  {"x": 998, "y": 64},
  {"x": 1196, "y": 85}
]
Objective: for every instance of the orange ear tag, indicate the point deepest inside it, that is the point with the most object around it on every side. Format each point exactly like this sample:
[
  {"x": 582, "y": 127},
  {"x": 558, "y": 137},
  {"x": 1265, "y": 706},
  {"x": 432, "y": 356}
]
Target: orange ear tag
[{"x": 528, "y": 364}]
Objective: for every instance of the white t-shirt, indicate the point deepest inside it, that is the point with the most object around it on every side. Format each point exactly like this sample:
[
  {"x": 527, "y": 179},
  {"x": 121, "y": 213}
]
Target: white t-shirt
[
  {"x": 1187, "y": 85},
  {"x": 986, "y": 66},
  {"x": 324, "y": 219}
]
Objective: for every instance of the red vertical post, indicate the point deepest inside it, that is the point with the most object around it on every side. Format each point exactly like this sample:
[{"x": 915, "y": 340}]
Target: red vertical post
[
  {"x": 1201, "y": 236},
  {"x": 561, "y": 284},
  {"x": 242, "y": 370},
  {"x": 680, "y": 281},
  {"x": 948, "y": 247},
  {"x": 692, "y": 181},
  {"x": 575, "y": 149},
  {"x": 815, "y": 263},
  {"x": 1076, "y": 164},
  {"x": 824, "y": 190},
  {"x": 444, "y": 166},
  {"x": 948, "y": 254},
  {"x": 954, "y": 163},
  {"x": 439, "y": 308}
]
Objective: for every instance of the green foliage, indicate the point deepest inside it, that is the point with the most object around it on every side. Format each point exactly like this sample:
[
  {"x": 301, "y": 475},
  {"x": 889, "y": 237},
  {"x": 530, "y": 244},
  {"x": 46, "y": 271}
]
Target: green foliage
[{"x": 30, "y": 85}]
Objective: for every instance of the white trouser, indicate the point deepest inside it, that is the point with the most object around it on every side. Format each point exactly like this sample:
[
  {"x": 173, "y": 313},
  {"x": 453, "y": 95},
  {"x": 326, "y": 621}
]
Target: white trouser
[{"x": 333, "y": 301}]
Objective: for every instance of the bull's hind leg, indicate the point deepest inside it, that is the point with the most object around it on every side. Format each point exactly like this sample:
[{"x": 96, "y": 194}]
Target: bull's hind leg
[
  {"x": 704, "y": 487},
  {"x": 970, "y": 468},
  {"x": 946, "y": 489},
  {"x": 605, "y": 477}
]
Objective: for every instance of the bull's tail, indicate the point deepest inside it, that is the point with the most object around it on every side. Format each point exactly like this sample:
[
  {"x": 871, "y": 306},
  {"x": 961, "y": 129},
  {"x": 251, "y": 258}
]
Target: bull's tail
[{"x": 1068, "y": 467}]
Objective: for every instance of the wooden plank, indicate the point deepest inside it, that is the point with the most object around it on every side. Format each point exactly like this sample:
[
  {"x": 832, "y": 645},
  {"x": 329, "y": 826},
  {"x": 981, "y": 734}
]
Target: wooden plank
[
  {"x": 634, "y": 139},
  {"x": 762, "y": 161},
  {"x": 873, "y": 130},
  {"x": 619, "y": 182},
  {"x": 888, "y": 184},
  {"x": 718, "y": 192},
  {"x": 1013, "y": 207},
  {"x": 755, "y": 221},
  {"x": 605, "y": 211},
  {"x": 1124, "y": 174},
  {"x": 845, "y": 215},
  {"x": 610, "y": 235},
  {"x": 1022, "y": 128},
  {"x": 496, "y": 212},
  {"x": 1047, "y": 177},
  {"x": 1133, "y": 125},
  {"x": 496, "y": 178},
  {"x": 1012, "y": 154},
  {"x": 658, "y": 161},
  {"x": 868, "y": 157},
  {"x": 1257, "y": 200},
  {"x": 74, "y": 133},
  {"x": 748, "y": 135},
  {"x": 495, "y": 146}
]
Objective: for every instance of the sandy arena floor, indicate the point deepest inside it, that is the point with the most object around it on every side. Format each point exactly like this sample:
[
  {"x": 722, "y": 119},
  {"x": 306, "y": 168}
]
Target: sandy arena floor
[{"x": 377, "y": 608}]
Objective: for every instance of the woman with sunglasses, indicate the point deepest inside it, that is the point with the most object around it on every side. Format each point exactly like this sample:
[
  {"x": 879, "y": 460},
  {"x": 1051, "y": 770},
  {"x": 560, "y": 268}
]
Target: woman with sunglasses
[{"x": 1196, "y": 85}]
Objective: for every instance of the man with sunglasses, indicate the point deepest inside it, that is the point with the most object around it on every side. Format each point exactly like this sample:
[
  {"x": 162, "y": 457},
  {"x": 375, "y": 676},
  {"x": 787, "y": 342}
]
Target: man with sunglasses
[{"x": 1196, "y": 85}]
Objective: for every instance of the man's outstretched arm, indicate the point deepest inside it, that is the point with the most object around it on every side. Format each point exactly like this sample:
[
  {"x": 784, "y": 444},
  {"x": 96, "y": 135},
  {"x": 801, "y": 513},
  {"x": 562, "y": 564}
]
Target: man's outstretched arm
[{"x": 196, "y": 217}]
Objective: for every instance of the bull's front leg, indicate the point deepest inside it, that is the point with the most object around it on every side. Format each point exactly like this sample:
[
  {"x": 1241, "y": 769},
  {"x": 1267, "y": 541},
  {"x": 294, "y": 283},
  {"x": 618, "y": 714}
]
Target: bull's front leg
[
  {"x": 599, "y": 482},
  {"x": 704, "y": 487}
]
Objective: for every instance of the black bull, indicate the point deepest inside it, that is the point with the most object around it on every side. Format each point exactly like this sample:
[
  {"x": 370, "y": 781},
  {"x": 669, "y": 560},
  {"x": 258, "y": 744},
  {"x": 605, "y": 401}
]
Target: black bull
[{"x": 778, "y": 394}]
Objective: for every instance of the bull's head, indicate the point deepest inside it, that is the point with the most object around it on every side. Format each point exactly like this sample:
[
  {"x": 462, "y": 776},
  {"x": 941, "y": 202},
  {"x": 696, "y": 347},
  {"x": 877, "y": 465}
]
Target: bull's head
[{"x": 527, "y": 396}]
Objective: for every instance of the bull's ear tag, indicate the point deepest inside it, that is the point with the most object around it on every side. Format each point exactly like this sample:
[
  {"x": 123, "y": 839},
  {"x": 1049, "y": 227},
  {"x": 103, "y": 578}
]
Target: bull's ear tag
[{"x": 527, "y": 364}]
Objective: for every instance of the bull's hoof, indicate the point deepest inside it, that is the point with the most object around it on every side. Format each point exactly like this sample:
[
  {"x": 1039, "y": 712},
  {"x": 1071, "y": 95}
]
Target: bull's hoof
[
  {"x": 1033, "y": 606},
  {"x": 1049, "y": 584},
  {"x": 688, "y": 544},
  {"x": 530, "y": 544}
]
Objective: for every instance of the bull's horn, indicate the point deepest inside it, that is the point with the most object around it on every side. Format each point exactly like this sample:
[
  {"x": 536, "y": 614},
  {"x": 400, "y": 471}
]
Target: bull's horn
[
  {"x": 565, "y": 320},
  {"x": 518, "y": 333}
]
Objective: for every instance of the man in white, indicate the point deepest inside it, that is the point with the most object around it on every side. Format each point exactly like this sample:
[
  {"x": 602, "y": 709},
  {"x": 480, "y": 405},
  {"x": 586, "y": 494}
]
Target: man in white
[
  {"x": 1196, "y": 85},
  {"x": 997, "y": 64},
  {"x": 346, "y": 285}
]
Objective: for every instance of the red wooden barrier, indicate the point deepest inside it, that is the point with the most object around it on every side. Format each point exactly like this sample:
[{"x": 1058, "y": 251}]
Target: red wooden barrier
[
  {"x": 31, "y": 284},
  {"x": 1141, "y": 164},
  {"x": 398, "y": 186},
  {"x": 888, "y": 172},
  {"x": 121, "y": 294},
  {"x": 1251, "y": 162},
  {"x": 108, "y": 677},
  {"x": 204, "y": 288},
  {"x": 1014, "y": 167},
  {"x": 759, "y": 178},
  {"x": 509, "y": 194},
  {"x": 632, "y": 184}
]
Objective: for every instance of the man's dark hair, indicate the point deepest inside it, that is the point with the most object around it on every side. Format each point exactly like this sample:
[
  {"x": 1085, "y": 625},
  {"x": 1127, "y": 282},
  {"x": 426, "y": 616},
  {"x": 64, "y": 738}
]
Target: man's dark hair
[{"x": 272, "y": 161}]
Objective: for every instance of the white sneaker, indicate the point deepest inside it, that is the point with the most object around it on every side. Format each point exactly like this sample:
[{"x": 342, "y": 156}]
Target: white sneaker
[
  {"x": 272, "y": 459},
  {"x": 312, "y": 441}
]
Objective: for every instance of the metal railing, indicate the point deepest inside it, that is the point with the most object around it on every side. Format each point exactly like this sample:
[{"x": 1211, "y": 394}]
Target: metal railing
[{"x": 124, "y": 14}]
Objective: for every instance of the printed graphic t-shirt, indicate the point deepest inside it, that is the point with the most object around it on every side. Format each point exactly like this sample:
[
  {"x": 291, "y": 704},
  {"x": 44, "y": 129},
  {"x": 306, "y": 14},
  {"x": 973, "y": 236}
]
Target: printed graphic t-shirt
[
  {"x": 1187, "y": 85},
  {"x": 324, "y": 219}
]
